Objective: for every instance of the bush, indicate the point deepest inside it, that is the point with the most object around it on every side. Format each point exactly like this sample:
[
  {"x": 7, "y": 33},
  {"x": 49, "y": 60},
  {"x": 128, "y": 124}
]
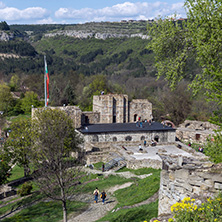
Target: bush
[
  {"x": 25, "y": 189},
  {"x": 188, "y": 210}
]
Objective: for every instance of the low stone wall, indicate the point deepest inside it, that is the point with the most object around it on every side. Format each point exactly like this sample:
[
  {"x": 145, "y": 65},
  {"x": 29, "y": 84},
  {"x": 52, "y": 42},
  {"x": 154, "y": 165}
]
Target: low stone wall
[
  {"x": 186, "y": 177},
  {"x": 137, "y": 164}
]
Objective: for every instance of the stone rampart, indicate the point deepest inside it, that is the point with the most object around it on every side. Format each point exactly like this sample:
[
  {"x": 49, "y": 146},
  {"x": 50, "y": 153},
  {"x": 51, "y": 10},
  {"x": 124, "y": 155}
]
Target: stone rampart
[{"x": 186, "y": 177}]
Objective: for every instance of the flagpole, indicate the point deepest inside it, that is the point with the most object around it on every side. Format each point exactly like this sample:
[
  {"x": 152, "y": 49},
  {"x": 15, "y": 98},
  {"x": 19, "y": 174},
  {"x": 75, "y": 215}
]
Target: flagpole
[{"x": 45, "y": 81}]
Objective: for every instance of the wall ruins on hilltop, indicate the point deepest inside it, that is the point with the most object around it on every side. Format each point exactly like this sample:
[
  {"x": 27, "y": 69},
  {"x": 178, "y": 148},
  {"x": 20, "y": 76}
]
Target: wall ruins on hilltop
[{"x": 187, "y": 177}]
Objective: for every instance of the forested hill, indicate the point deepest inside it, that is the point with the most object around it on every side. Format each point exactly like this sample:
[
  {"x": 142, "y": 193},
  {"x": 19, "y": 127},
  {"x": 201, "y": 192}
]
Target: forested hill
[{"x": 85, "y": 59}]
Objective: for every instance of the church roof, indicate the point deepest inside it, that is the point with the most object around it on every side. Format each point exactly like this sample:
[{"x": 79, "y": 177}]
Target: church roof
[{"x": 123, "y": 127}]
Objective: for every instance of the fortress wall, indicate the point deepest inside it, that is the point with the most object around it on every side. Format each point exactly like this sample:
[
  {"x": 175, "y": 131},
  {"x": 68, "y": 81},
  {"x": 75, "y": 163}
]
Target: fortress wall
[{"x": 185, "y": 177}]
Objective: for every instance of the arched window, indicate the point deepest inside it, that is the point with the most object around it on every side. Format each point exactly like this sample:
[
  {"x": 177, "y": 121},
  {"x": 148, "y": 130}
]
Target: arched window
[
  {"x": 135, "y": 118},
  {"x": 114, "y": 139},
  {"x": 142, "y": 138},
  {"x": 95, "y": 138},
  {"x": 128, "y": 138}
]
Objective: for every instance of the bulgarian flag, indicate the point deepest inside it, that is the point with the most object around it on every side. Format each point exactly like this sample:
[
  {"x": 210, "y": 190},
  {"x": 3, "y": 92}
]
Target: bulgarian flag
[{"x": 46, "y": 83}]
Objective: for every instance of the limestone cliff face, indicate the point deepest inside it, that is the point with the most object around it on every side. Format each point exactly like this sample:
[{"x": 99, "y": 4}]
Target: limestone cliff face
[
  {"x": 9, "y": 35},
  {"x": 6, "y": 36},
  {"x": 97, "y": 35}
]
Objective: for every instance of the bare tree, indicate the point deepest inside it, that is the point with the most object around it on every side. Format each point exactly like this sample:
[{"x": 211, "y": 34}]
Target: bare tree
[{"x": 54, "y": 140}]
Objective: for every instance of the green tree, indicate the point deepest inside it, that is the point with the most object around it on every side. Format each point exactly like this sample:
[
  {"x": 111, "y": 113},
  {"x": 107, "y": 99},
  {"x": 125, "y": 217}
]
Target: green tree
[
  {"x": 98, "y": 84},
  {"x": 199, "y": 37},
  {"x": 68, "y": 96},
  {"x": 14, "y": 83},
  {"x": 54, "y": 139},
  {"x": 5, "y": 167},
  {"x": 30, "y": 99},
  {"x": 5, "y": 98},
  {"x": 4, "y": 26},
  {"x": 18, "y": 145},
  {"x": 213, "y": 148}
]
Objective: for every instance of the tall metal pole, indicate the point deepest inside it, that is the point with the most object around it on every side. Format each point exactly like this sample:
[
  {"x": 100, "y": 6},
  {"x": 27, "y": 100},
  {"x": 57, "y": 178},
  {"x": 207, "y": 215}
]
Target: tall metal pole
[{"x": 45, "y": 81}]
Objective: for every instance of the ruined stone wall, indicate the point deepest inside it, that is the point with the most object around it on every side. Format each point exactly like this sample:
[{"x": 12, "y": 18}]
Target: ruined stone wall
[
  {"x": 163, "y": 136},
  {"x": 90, "y": 118},
  {"x": 195, "y": 131},
  {"x": 112, "y": 108},
  {"x": 73, "y": 112},
  {"x": 140, "y": 108},
  {"x": 183, "y": 177}
]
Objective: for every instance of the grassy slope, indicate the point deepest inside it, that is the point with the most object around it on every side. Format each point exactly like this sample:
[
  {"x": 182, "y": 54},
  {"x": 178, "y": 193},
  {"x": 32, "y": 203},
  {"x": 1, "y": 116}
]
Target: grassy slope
[{"x": 139, "y": 191}]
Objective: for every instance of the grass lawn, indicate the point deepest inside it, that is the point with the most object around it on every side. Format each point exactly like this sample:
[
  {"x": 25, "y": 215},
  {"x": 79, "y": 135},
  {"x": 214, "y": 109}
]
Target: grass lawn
[
  {"x": 45, "y": 212},
  {"x": 24, "y": 201},
  {"x": 137, "y": 214},
  {"x": 140, "y": 171},
  {"x": 19, "y": 117},
  {"x": 141, "y": 190},
  {"x": 16, "y": 173},
  {"x": 102, "y": 182}
]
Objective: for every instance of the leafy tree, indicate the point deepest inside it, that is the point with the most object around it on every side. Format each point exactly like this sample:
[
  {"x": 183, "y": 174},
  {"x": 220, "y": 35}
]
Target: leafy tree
[
  {"x": 213, "y": 148},
  {"x": 4, "y": 26},
  {"x": 5, "y": 98},
  {"x": 54, "y": 138},
  {"x": 55, "y": 94},
  {"x": 30, "y": 99},
  {"x": 199, "y": 36},
  {"x": 14, "y": 83},
  {"x": 68, "y": 96},
  {"x": 5, "y": 167},
  {"x": 18, "y": 145},
  {"x": 98, "y": 84}
]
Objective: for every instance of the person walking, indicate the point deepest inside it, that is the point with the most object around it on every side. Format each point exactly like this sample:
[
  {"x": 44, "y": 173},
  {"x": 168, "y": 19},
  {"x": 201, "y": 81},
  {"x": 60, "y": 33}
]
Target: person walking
[
  {"x": 96, "y": 194},
  {"x": 103, "y": 196}
]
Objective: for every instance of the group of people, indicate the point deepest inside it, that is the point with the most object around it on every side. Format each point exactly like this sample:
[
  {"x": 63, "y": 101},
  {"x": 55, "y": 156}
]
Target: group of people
[{"x": 97, "y": 194}]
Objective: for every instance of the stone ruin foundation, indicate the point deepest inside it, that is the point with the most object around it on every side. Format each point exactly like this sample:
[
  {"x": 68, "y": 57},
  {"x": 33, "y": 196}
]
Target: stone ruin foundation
[{"x": 187, "y": 177}]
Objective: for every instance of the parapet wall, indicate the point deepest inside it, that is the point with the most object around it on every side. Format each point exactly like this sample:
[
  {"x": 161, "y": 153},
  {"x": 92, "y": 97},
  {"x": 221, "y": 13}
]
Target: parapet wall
[{"x": 185, "y": 177}]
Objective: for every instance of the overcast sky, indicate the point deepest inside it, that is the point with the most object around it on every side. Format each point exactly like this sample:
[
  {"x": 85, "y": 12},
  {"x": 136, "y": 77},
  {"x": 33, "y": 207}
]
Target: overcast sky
[{"x": 81, "y": 11}]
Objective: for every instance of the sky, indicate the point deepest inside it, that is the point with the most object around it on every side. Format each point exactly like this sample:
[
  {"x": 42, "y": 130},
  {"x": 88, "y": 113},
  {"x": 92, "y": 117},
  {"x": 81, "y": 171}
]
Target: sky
[{"x": 82, "y": 11}]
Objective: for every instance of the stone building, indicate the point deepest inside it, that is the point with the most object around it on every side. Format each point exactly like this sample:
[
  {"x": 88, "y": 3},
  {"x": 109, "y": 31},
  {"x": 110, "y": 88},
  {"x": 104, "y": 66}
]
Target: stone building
[
  {"x": 114, "y": 108},
  {"x": 114, "y": 119}
]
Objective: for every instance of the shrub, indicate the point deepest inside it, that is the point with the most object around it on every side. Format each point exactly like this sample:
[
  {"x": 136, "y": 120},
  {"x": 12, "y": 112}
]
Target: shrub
[
  {"x": 188, "y": 210},
  {"x": 25, "y": 189}
]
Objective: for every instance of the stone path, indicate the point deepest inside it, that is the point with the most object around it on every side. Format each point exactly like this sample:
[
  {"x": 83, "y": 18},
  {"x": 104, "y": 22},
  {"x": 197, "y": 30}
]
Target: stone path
[{"x": 96, "y": 211}]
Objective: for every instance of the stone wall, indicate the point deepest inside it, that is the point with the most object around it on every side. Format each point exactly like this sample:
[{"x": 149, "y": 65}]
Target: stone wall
[
  {"x": 195, "y": 131},
  {"x": 186, "y": 177},
  {"x": 140, "y": 108},
  {"x": 105, "y": 152},
  {"x": 112, "y": 108},
  {"x": 90, "y": 118},
  {"x": 163, "y": 136},
  {"x": 74, "y": 112}
]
